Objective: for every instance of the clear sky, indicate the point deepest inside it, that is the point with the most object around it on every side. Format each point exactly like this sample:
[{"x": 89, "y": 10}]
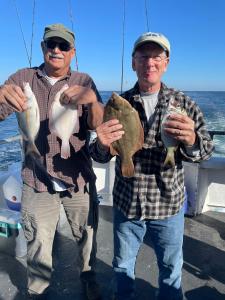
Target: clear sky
[{"x": 195, "y": 28}]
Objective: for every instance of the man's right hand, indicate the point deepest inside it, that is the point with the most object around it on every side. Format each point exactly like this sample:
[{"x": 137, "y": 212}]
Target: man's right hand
[
  {"x": 13, "y": 95},
  {"x": 109, "y": 132}
]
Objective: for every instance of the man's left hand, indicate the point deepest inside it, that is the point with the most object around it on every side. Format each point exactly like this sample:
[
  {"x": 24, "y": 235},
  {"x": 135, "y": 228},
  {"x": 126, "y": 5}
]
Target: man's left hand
[
  {"x": 77, "y": 94},
  {"x": 182, "y": 128}
]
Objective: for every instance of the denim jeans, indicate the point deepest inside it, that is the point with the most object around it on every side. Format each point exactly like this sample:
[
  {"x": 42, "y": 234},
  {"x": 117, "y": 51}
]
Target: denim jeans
[{"x": 167, "y": 239}]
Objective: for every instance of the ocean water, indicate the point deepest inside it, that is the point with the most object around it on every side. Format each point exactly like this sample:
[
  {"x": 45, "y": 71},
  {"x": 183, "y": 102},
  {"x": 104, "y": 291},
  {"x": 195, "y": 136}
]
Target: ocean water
[{"x": 212, "y": 105}]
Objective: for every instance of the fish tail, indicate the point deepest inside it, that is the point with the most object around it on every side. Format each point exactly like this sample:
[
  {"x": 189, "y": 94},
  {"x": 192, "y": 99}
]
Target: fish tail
[
  {"x": 65, "y": 149},
  {"x": 127, "y": 169},
  {"x": 169, "y": 158},
  {"x": 33, "y": 161},
  {"x": 31, "y": 149}
]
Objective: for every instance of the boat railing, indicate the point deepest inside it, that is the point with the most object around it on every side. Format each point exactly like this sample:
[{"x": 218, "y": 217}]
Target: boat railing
[
  {"x": 216, "y": 132},
  {"x": 18, "y": 137}
]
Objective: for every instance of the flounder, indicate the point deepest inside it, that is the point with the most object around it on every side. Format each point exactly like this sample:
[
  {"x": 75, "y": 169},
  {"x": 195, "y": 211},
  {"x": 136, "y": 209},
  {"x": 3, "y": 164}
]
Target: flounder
[
  {"x": 133, "y": 138},
  {"x": 169, "y": 142},
  {"x": 63, "y": 121}
]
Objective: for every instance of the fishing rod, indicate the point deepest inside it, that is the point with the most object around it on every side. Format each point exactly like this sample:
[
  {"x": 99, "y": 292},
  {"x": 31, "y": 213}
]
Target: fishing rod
[
  {"x": 146, "y": 15},
  {"x": 123, "y": 38},
  {"x": 72, "y": 27},
  {"x": 29, "y": 57}
]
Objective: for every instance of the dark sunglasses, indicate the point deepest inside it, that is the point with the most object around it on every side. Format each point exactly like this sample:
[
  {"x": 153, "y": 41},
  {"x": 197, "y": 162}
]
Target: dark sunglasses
[{"x": 63, "y": 46}]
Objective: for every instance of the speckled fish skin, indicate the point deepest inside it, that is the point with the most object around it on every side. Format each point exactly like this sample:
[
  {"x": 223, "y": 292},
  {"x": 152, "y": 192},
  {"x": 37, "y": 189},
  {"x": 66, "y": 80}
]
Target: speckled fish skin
[
  {"x": 29, "y": 120},
  {"x": 63, "y": 122},
  {"x": 133, "y": 138},
  {"x": 170, "y": 143}
]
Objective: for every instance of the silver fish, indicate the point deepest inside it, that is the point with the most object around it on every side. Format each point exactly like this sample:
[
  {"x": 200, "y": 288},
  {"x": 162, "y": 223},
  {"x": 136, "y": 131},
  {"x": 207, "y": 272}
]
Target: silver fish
[
  {"x": 169, "y": 142},
  {"x": 29, "y": 120},
  {"x": 29, "y": 124},
  {"x": 63, "y": 121}
]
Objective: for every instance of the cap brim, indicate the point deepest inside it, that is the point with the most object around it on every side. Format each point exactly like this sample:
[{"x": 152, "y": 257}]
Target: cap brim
[{"x": 60, "y": 35}]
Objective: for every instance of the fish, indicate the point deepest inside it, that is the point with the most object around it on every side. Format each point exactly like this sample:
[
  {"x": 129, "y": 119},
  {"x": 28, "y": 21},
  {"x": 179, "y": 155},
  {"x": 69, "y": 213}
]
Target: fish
[
  {"x": 170, "y": 143},
  {"x": 133, "y": 138},
  {"x": 29, "y": 120},
  {"x": 29, "y": 125},
  {"x": 63, "y": 121}
]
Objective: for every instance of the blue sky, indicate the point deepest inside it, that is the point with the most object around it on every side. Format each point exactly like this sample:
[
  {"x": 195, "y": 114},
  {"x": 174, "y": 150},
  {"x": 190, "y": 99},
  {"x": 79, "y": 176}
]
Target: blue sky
[{"x": 195, "y": 28}]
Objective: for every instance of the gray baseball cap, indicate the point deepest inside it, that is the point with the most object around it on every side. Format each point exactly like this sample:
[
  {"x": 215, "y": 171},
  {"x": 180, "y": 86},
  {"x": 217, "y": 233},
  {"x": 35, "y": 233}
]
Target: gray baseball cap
[
  {"x": 152, "y": 37},
  {"x": 59, "y": 30}
]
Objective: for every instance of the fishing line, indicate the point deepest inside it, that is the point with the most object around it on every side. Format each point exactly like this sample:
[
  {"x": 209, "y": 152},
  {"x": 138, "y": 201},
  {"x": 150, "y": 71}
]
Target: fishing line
[
  {"x": 32, "y": 33},
  {"x": 123, "y": 35},
  {"x": 72, "y": 27},
  {"x": 21, "y": 29}
]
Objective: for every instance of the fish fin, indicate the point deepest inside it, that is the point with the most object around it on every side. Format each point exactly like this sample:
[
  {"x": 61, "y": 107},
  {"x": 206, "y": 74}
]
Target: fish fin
[
  {"x": 65, "y": 149},
  {"x": 113, "y": 152},
  {"x": 141, "y": 138},
  {"x": 169, "y": 161},
  {"x": 33, "y": 162},
  {"x": 127, "y": 169},
  {"x": 31, "y": 149}
]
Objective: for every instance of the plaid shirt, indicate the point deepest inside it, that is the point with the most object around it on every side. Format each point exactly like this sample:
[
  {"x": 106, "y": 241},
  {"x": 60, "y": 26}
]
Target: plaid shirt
[
  {"x": 75, "y": 171},
  {"x": 155, "y": 191}
]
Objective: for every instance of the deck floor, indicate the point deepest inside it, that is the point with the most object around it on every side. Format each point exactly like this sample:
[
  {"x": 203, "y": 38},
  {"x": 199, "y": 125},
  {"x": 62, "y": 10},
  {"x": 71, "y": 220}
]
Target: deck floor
[{"x": 203, "y": 270}]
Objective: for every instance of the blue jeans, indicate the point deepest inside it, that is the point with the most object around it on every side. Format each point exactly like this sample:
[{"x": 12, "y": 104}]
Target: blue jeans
[{"x": 167, "y": 239}]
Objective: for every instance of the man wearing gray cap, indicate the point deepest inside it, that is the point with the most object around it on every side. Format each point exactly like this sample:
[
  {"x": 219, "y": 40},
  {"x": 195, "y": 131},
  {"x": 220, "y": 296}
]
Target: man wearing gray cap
[
  {"x": 153, "y": 199},
  {"x": 71, "y": 181}
]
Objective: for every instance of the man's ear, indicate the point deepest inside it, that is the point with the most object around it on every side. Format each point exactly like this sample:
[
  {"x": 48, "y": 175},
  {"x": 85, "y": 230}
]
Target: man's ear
[{"x": 43, "y": 46}]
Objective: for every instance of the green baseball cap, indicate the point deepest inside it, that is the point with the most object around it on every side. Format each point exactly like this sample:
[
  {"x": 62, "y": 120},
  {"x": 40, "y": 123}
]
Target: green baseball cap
[
  {"x": 152, "y": 37},
  {"x": 59, "y": 30}
]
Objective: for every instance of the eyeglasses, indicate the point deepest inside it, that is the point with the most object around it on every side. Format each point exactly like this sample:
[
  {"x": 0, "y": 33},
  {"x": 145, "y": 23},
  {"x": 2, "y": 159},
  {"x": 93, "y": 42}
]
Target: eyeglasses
[
  {"x": 63, "y": 46},
  {"x": 156, "y": 58}
]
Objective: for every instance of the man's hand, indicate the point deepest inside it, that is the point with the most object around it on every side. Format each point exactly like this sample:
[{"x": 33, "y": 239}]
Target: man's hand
[
  {"x": 182, "y": 128},
  {"x": 13, "y": 95},
  {"x": 109, "y": 132},
  {"x": 77, "y": 94}
]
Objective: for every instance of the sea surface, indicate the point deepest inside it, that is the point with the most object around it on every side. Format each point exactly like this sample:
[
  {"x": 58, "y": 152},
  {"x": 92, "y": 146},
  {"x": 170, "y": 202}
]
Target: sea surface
[{"x": 212, "y": 105}]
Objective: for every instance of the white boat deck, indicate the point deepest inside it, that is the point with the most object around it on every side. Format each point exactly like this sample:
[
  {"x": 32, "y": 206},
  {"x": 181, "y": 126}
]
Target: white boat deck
[{"x": 203, "y": 270}]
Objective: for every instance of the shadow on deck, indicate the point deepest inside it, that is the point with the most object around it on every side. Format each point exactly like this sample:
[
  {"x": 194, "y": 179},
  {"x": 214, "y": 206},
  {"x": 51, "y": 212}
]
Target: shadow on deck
[{"x": 203, "y": 270}]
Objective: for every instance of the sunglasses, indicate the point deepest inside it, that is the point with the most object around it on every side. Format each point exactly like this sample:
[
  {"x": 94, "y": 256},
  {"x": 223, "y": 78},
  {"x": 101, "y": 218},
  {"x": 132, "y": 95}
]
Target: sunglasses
[{"x": 63, "y": 46}]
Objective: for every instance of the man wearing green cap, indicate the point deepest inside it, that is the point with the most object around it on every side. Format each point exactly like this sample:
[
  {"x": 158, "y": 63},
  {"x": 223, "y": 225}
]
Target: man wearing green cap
[
  {"x": 71, "y": 181},
  {"x": 153, "y": 199}
]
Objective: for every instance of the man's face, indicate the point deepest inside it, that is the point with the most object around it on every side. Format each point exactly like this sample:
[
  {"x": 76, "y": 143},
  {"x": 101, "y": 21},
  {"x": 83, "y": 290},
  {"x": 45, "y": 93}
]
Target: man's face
[
  {"x": 150, "y": 62},
  {"x": 57, "y": 55}
]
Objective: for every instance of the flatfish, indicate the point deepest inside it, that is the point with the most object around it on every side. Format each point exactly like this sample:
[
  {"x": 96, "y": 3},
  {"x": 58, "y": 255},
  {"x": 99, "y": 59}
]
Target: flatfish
[
  {"x": 133, "y": 138},
  {"x": 63, "y": 121},
  {"x": 169, "y": 142}
]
